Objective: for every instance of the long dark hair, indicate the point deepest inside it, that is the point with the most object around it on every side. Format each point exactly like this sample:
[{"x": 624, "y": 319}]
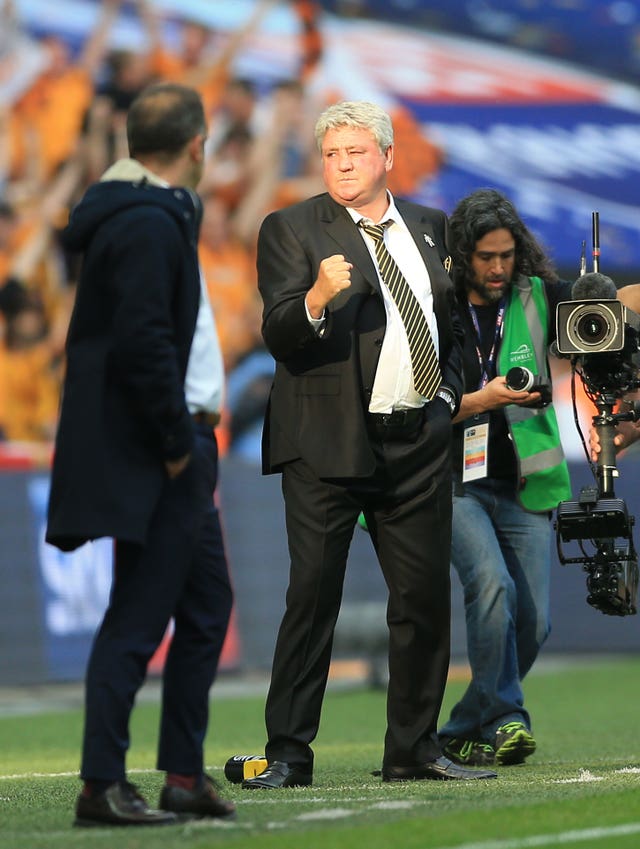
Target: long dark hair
[{"x": 480, "y": 213}]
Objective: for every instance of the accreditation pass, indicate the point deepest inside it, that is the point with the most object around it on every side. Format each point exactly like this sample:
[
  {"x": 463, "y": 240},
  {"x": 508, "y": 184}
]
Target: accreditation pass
[{"x": 475, "y": 448}]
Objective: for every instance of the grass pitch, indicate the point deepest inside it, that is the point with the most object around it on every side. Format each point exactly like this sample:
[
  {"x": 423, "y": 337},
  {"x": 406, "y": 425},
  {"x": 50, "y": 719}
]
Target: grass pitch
[{"x": 580, "y": 789}]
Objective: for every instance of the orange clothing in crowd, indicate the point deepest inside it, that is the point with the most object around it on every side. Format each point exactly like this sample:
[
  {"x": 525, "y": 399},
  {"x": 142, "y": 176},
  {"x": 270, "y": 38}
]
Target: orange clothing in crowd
[
  {"x": 20, "y": 233},
  {"x": 29, "y": 392},
  {"x": 168, "y": 66},
  {"x": 45, "y": 275},
  {"x": 415, "y": 159},
  {"x": 210, "y": 83},
  {"x": 232, "y": 289},
  {"x": 5, "y": 264},
  {"x": 52, "y": 111}
]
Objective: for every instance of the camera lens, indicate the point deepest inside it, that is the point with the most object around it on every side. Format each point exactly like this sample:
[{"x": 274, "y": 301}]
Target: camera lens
[
  {"x": 592, "y": 328},
  {"x": 519, "y": 379}
]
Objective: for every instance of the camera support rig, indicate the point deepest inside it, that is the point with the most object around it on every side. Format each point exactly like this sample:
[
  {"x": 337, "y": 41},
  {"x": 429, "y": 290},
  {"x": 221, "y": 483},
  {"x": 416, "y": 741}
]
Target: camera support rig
[
  {"x": 605, "y": 348},
  {"x": 603, "y": 520}
]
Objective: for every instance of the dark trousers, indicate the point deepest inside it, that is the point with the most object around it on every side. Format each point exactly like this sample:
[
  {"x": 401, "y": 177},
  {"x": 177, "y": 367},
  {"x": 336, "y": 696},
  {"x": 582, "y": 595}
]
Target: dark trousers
[
  {"x": 407, "y": 504},
  {"x": 180, "y": 572}
]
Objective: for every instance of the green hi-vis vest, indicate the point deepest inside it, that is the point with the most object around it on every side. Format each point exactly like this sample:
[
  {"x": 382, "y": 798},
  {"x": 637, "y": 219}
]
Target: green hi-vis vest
[{"x": 536, "y": 438}]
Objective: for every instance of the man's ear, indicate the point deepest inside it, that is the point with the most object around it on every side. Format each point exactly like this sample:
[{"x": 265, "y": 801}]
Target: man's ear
[
  {"x": 389, "y": 158},
  {"x": 196, "y": 147}
]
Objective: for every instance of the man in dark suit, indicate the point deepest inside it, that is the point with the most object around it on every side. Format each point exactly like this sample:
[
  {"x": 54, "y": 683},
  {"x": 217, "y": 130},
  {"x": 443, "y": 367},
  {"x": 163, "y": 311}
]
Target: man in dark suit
[
  {"x": 357, "y": 422},
  {"x": 136, "y": 459}
]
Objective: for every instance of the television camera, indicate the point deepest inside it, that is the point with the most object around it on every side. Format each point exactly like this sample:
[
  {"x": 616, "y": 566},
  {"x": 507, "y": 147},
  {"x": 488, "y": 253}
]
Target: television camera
[{"x": 601, "y": 338}]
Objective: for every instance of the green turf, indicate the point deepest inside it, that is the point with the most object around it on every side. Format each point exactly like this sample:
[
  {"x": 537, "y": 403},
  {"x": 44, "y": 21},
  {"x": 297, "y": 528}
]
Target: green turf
[{"x": 580, "y": 789}]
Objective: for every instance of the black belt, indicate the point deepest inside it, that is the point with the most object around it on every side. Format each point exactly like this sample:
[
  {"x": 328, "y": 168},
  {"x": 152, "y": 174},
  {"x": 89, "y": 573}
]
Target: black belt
[
  {"x": 209, "y": 419},
  {"x": 400, "y": 425},
  {"x": 398, "y": 418}
]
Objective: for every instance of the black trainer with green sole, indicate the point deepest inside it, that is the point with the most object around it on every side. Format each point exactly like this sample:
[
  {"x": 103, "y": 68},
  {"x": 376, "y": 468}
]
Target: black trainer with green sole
[
  {"x": 470, "y": 752},
  {"x": 514, "y": 743}
]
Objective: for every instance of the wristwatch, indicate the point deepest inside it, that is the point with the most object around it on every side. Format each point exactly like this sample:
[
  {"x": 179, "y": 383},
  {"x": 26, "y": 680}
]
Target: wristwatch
[{"x": 448, "y": 396}]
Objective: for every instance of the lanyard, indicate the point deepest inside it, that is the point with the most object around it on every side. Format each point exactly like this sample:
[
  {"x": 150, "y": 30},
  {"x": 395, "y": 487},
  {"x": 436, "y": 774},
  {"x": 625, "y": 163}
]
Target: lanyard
[{"x": 486, "y": 365}]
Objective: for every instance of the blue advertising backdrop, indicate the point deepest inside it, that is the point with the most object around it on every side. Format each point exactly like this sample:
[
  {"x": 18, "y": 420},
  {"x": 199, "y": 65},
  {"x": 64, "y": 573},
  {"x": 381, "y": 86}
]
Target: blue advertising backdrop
[{"x": 53, "y": 602}]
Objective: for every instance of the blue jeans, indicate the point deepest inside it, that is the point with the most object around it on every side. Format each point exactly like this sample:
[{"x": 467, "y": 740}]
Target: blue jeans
[{"x": 502, "y": 555}]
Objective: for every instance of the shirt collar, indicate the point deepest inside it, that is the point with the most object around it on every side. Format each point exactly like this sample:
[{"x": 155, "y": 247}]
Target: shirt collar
[{"x": 391, "y": 214}]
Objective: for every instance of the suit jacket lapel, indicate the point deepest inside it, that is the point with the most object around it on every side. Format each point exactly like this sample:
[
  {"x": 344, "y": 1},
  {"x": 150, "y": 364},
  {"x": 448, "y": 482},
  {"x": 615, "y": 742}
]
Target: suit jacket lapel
[
  {"x": 422, "y": 236},
  {"x": 349, "y": 242},
  {"x": 420, "y": 229}
]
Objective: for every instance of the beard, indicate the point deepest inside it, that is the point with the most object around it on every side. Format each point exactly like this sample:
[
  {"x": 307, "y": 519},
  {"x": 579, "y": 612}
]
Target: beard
[{"x": 490, "y": 294}]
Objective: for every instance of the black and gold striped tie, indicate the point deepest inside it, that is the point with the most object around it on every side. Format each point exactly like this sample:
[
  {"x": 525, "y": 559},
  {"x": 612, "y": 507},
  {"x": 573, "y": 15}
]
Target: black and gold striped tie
[{"x": 424, "y": 362}]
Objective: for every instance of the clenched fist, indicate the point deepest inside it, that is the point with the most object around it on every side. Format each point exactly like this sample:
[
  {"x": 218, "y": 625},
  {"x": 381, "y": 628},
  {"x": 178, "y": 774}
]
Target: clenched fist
[{"x": 334, "y": 275}]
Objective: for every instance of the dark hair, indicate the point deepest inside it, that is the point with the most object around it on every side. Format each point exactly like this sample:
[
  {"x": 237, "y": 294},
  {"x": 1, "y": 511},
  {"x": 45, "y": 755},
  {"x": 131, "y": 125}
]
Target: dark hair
[
  {"x": 163, "y": 118},
  {"x": 243, "y": 83},
  {"x": 480, "y": 213},
  {"x": 6, "y": 210}
]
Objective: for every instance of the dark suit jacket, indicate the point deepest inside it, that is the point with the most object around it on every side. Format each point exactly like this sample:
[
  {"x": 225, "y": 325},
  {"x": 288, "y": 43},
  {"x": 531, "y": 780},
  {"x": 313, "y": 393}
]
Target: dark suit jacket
[
  {"x": 323, "y": 385},
  {"x": 123, "y": 407}
]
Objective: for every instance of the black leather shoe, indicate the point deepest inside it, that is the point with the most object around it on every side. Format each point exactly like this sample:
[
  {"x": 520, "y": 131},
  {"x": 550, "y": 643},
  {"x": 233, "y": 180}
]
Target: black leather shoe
[
  {"x": 278, "y": 774},
  {"x": 442, "y": 769},
  {"x": 202, "y": 801},
  {"x": 119, "y": 804}
]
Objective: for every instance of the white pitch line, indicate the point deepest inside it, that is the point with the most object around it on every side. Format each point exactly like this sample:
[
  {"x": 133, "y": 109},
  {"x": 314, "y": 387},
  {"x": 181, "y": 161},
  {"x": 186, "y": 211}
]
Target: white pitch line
[
  {"x": 18, "y": 775},
  {"x": 326, "y": 814},
  {"x": 583, "y": 777},
  {"x": 560, "y": 838}
]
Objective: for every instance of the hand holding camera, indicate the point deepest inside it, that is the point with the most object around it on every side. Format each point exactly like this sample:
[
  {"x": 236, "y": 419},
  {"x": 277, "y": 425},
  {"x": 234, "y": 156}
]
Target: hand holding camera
[
  {"x": 496, "y": 394},
  {"x": 521, "y": 379}
]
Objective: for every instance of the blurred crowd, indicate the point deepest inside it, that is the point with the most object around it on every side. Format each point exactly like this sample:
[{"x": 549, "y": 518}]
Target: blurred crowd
[{"x": 68, "y": 125}]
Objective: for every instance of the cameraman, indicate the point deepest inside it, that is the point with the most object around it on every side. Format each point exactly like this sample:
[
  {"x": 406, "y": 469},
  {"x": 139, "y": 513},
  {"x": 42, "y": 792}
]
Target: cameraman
[
  {"x": 626, "y": 432},
  {"x": 509, "y": 473}
]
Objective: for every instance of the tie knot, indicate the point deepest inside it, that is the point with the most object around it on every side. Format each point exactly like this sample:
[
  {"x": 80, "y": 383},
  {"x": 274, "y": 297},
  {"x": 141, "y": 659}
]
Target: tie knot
[{"x": 376, "y": 231}]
